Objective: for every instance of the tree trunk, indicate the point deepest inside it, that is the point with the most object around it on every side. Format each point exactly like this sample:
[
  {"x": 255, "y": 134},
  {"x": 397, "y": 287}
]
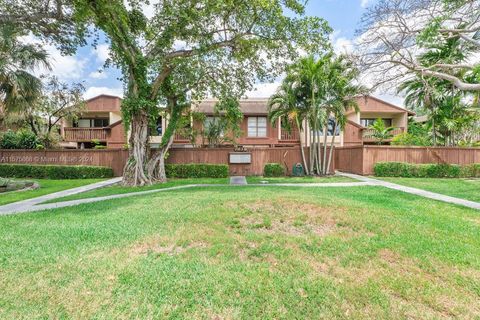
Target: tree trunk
[
  {"x": 134, "y": 171},
  {"x": 332, "y": 147},
  {"x": 156, "y": 165},
  {"x": 312, "y": 150},
  {"x": 302, "y": 152},
  {"x": 325, "y": 137}
]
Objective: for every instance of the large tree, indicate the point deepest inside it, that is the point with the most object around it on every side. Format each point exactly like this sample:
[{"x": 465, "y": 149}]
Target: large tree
[
  {"x": 395, "y": 33},
  {"x": 201, "y": 47}
]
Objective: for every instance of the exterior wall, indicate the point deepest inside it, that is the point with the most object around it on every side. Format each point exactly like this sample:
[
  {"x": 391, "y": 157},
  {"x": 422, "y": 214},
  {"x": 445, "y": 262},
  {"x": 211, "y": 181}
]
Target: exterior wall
[
  {"x": 104, "y": 103},
  {"x": 353, "y": 135},
  {"x": 117, "y": 137}
]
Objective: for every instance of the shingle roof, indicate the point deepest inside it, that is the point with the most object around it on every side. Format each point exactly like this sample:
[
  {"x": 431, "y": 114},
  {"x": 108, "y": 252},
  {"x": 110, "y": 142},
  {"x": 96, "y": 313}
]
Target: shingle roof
[{"x": 247, "y": 106}]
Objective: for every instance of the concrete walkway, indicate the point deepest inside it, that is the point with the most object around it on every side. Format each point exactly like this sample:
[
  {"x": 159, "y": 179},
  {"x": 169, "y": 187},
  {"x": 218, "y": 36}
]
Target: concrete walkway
[
  {"x": 24, "y": 205},
  {"x": 238, "y": 180},
  {"x": 415, "y": 191}
]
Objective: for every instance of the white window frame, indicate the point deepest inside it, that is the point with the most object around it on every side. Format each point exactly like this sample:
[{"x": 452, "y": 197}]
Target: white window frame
[{"x": 255, "y": 127}]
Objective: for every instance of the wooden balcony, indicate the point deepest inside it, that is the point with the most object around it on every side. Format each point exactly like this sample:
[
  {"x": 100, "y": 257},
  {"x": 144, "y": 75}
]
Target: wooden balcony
[
  {"x": 179, "y": 138},
  {"x": 368, "y": 134},
  {"x": 292, "y": 136},
  {"x": 85, "y": 134}
]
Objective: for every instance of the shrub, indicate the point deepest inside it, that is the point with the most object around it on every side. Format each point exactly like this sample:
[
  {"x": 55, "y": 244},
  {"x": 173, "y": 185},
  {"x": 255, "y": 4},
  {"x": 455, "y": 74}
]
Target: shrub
[
  {"x": 392, "y": 169},
  {"x": 54, "y": 171},
  {"x": 273, "y": 170},
  {"x": 408, "y": 139},
  {"x": 27, "y": 140},
  {"x": 431, "y": 170},
  {"x": 22, "y": 139},
  {"x": 9, "y": 140},
  {"x": 196, "y": 170}
]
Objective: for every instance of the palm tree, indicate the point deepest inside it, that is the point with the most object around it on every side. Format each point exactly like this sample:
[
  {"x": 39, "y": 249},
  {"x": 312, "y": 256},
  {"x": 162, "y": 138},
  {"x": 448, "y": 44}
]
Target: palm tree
[
  {"x": 380, "y": 131},
  {"x": 17, "y": 60},
  {"x": 284, "y": 106}
]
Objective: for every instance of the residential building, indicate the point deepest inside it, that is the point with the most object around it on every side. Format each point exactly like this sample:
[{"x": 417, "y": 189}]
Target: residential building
[{"x": 101, "y": 123}]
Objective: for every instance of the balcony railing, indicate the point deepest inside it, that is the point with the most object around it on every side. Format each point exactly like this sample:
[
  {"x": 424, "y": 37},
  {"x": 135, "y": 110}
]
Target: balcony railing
[
  {"x": 85, "y": 134},
  {"x": 179, "y": 137},
  {"x": 368, "y": 134},
  {"x": 293, "y": 135}
]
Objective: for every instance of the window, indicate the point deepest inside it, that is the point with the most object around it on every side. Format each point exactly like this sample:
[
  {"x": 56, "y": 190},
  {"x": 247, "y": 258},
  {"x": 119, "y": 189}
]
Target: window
[
  {"x": 367, "y": 122},
  {"x": 331, "y": 126},
  {"x": 159, "y": 127},
  {"x": 92, "y": 123},
  {"x": 257, "y": 127}
]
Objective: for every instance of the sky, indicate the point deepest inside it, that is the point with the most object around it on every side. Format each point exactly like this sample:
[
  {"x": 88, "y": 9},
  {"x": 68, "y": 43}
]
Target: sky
[{"x": 342, "y": 15}]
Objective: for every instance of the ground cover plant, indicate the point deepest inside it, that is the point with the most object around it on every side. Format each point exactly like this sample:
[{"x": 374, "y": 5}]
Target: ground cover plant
[
  {"x": 466, "y": 188},
  {"x": 46, "y": 187},
  {"x": 244, "y": 252}
]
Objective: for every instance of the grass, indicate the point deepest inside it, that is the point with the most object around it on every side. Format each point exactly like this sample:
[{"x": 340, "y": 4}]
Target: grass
[
  {"x": 468, "y": 189},
  {"x": 329, "y": 179},
  {"x": 46, "y": 187},
  {"x": 244, "y": 253},
  {"x": 119, "y": 189}
]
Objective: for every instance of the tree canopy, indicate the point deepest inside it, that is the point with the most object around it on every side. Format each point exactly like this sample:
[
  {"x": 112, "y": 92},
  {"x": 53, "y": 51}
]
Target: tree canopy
[{"x": 185, "y": 50}]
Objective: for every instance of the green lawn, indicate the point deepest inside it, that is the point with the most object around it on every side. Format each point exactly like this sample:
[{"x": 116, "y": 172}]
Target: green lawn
[
  {"x": 244, "y": 253},
  {"x": 255, "y": 180},
  {"x": 46, "y": 187},
  {"x": 461, "y": 188},
  {"x": 119, "y": 189}
]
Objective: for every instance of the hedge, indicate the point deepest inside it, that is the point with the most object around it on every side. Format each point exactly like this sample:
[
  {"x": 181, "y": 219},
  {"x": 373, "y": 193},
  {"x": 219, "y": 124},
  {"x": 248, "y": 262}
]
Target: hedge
[
  {"x": 54, "y": 171},
  {"x": 273, "y": 170},
  {"x": 431, "y": 170},
  {"x": 196, "y": 170}
]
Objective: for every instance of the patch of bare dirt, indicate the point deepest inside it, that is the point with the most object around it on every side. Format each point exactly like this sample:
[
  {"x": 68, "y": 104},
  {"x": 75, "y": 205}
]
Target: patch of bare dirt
[{"x": 287, "y": 217}]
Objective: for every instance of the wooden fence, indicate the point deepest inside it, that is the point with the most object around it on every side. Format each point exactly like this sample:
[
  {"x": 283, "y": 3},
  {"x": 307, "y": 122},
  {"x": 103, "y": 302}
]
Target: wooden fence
[
  {"x": 288, "y": 156},
  {"x": 114, "y": 158},
  {"x": 361, "y": 159},
  {"x": 354, "y": 159}
]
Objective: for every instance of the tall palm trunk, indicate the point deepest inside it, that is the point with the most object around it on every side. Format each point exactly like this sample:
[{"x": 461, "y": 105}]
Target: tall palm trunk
[
  {"x": 302, "y": 151},
  {"x": 325, "y": 137},
  {"x": 332, "y": 146}
]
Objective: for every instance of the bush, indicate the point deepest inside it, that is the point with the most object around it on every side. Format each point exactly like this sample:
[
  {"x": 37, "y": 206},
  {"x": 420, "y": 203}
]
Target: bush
[
  {"x": 9, "y": 140},
  {"x": 273, "y": 170},
  {"x": 22, "y": 139},
  {"x": 54, "y": 172},
  {"x": 408, "y": 139},
  {"x": 196, "y": 170},
  {"x": 431, "y": 170}
]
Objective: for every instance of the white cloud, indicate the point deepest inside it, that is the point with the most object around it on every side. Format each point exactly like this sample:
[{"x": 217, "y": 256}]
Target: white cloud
[
  {"x": 64, "y": 67},
  {"x": 102, "y": 52},
  {"x": 263, "y": 90},
  {"x": 95, "y": 91},
  {"x": 343, "y": 45},
  {"x": 98, "y": 75}
]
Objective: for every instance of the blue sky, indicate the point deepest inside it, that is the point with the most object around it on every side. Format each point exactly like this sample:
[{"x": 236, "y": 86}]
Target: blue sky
[{"x": 342, "y": 15}]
